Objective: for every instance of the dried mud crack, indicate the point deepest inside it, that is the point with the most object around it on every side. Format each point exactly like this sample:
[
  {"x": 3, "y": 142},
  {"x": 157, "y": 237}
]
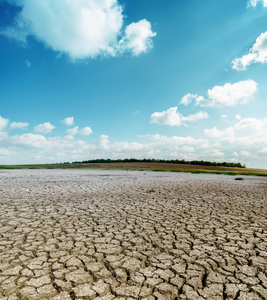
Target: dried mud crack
[{"x": 95, "y": 234}]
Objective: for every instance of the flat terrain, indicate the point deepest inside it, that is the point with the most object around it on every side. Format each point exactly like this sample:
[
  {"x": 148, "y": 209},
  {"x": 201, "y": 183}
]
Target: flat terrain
[
  {"x": 163, "y": 166},
  {"x": 172, "y": 166},
  {"x": 96, "y": 234}
]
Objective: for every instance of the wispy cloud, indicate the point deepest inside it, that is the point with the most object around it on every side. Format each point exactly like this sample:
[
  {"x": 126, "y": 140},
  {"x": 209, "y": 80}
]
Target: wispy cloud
[
  {"x": 257, "y": 54},
  {"x": 28, "y": 63},
  {"x": 255, "y": 2}
]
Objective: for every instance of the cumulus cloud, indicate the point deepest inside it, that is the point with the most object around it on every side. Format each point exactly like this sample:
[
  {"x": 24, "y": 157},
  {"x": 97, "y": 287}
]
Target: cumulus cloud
[
  {"x": 44, "y": 128},
  {"x": 248, "y": 131},
  {"x": 85, "y": 131},
  {"x": 28, "y": 140},
  {"x": 215, "y": 133},
  {"x": 188, "y": 98},
  {"x": 3, "y": 123},
  {"x": 80, "y": 28},
  {"x": 169, "y": 117},
  {"x": 245, "y": 153},
  {"x": 235, "y": 154},
  {"x": 19, "y": 125},
  {"x": 257, "y": 54},
  {"x": 172, "y": 117},
  {"x": 195, "y": 117},
  {"x": 104, "y": 141},
  {"x": 68, "y": 121},
  {"x": 229, "y": 94},
  {"x": 246, "y": 140},
  {"x": 255, "y": 2},
  {"x": 138, "y": 38},
  {"x": 36, "y": 148},
  {"x": 257, "y": 126},
  {"x": 3, "y": 135},
  {"x": 75, "y": 130}
]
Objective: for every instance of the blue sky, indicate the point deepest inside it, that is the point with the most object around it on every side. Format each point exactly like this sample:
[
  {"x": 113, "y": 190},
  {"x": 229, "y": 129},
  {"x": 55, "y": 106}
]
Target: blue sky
[{"x": 83, "y": 79}]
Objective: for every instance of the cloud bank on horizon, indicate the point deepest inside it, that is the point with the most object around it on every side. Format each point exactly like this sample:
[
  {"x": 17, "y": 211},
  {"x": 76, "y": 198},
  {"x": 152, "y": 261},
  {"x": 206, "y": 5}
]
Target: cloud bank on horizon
[
  {"x": 217, "y": 144},
  {"x": 84, "y": 28}
]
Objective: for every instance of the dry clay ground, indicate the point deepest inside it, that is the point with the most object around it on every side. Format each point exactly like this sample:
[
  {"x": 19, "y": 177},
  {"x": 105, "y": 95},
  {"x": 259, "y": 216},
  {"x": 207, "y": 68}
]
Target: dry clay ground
[{"x": 94, "y": 234}]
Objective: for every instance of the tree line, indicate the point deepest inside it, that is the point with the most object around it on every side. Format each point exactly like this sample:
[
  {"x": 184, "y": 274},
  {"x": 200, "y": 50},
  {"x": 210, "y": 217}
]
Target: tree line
[{"x": 173, "y": 161}]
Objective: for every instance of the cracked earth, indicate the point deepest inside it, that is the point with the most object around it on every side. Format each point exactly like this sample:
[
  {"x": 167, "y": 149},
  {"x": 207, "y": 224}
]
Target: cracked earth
[{"x": 95, "y": 234}]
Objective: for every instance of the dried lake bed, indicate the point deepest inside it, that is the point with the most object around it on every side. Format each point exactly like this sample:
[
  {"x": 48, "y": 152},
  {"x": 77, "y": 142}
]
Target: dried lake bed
[{"x": 111, "y": 234}]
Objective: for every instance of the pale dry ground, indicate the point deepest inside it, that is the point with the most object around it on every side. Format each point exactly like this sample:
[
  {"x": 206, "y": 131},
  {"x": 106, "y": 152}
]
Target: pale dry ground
[{"x": 94, "y": 234}]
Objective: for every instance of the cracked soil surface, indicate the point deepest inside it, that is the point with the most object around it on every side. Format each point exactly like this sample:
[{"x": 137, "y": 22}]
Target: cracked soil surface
[{"x": 95, "y": 234}]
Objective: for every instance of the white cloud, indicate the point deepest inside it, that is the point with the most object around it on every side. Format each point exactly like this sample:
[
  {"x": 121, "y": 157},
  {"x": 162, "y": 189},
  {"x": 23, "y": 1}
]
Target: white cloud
[
  {"x": 173, "y": 118},
  {"x": 85, "y": 131},
  {"x": 188, "y": 98},
  {"x": 245, "y": 141},
  {"x": 76, "y": 131},
  {"x": 256, "y": 126},
  {"x": 73, "y": 131},
  {"x": 104, "y": 141},
  {"x": 68, "y": 121},
  {"x": 19, "y": 125},
  {"x": 257, "y": 54},
  {"x": 200, "y": 100},
  {"x": 249, "y": 132},
  {"x": 238, "y": 117},
  {"x": 5, "y": 152},
  {"x": 215, "y": 133},
  {"x": 44, "y": 128},
  {"x": 255, "y": 2},
  {"x": 80, "y": 28},
  {"x": 245, "y": 153},
  {"x": 195, "y": 117},
  {"x": 28, "y": 140},
  {"x": 263, "y": 150},
  {"x": 36, "y": 148},
  {"x": 3, "y": 123},
  {"x": 127, "y": 146},
  {"x": 3, "y": 135},
  {"x": 138, "y": 38},
  {"x": 231, "y": 94},
  {"x": 224, "y": 117},
  {"x": 235, "y": 154},
  {"x": 169, "y": 117}
]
